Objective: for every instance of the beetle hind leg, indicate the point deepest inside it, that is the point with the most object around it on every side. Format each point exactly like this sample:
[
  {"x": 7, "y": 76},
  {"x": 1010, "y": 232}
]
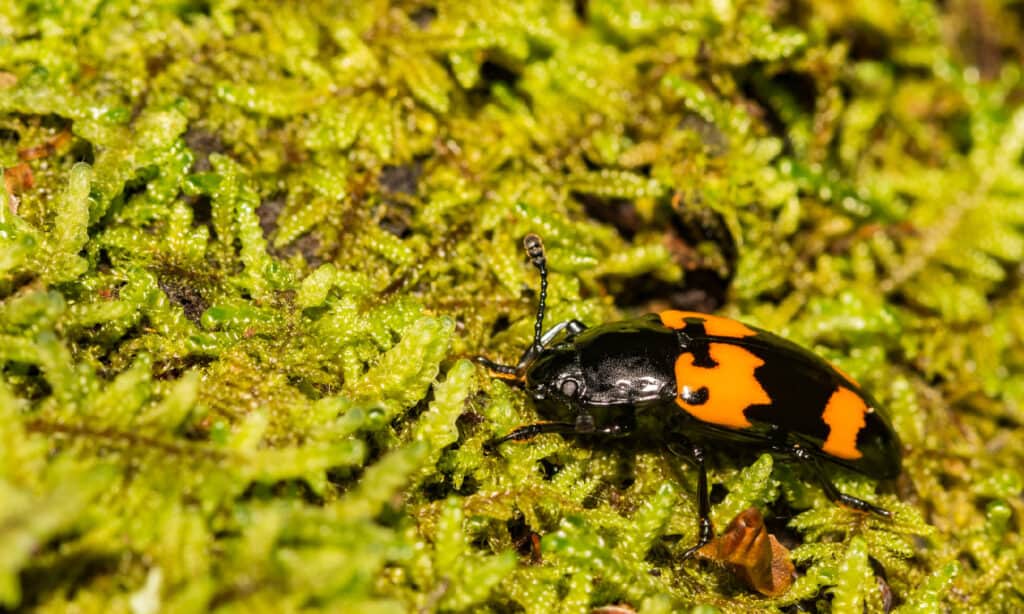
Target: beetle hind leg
[
  {"x": 846, "y": 500},
  {"x": 831, "y": 490}
]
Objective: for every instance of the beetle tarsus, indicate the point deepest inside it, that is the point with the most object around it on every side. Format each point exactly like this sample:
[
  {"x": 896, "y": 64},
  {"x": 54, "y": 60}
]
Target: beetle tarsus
[
  {"x": 861, "y": 505},
  {"x": 705, "y": 533}
]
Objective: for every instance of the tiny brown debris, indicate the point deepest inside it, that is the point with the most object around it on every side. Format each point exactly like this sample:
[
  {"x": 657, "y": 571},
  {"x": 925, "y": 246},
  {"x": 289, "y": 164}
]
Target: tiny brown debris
[
  {"x": 753, "y": 554},
  {"x": 7, "y": 80},
  {"x": 17, "y": 179},
  {"x": 47, "y": 148},
  {"x": 526, "y": 540}
]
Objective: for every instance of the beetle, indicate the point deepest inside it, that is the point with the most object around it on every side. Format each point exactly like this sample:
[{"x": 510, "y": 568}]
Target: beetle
[{"x": 704, "y": 379}]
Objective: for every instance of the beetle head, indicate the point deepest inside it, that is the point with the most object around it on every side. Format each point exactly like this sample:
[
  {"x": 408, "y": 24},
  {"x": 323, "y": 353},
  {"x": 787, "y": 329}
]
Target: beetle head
[{"x": 555, "y": 381}]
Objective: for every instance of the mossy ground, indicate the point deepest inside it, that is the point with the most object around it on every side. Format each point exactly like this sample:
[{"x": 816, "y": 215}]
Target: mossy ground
[{"x": 247, "y": 247}]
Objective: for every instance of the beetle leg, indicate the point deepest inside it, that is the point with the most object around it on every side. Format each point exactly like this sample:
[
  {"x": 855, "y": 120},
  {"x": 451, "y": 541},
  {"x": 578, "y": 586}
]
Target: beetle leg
[
  {"x": 535, "y": 251},
  {"x": 533, "y": 351},
  {"x": 584, "y": 423},
  {"x": 705, "y": 530},
  {"x": 571, "y": 328},
  {"x": 532, "y": 430},
  {"x": 831, "y": 491},
  {"x": 621, "y": 429},
  {"x": 498, "y": 370},
  {"x": 517, "y": 373}
]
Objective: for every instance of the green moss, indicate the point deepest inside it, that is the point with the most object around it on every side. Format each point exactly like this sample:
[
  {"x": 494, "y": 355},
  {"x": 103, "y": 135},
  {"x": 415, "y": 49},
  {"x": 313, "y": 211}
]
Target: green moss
[{"x": 259, "y": 242}]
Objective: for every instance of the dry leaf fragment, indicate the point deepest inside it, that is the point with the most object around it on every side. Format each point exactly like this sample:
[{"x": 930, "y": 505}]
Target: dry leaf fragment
[{"x": 753, "y": 554}]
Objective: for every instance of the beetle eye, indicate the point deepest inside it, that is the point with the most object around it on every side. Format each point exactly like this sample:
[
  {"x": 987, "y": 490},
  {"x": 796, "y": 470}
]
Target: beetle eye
[{"x": 569, "y": 387}]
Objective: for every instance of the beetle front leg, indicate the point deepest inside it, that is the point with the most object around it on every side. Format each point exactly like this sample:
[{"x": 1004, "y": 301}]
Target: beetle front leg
[
  {"x": 584, "y": 425},
  {"x": 831, "y": 491},
  {"x": 617, "y": 429},
  {"x": 619, "y": 426},
  {"x": 571, "y": 328},
  {"x": 532, "y": 430},
  {"x": 498, "y": 370},
  {"x": 517, "y": 373}
]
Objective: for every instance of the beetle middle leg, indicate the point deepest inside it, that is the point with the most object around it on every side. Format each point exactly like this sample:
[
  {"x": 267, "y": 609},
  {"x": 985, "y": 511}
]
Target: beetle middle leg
[
  {"x": 705, "y": 530},
  {"x": 831, "y": 491}
]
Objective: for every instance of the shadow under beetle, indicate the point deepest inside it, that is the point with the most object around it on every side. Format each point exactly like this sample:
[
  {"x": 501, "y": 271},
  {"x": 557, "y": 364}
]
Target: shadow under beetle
[{"x": 704, "y": 376}]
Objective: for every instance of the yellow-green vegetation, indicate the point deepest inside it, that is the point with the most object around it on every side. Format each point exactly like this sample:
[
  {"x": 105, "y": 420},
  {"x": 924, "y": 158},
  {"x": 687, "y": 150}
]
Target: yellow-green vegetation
[{"x": 246, "y": 249}]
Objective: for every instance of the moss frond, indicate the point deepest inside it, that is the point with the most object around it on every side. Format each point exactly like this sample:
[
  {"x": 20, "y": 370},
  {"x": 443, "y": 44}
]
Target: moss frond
[{"x": 247, "y": 250}]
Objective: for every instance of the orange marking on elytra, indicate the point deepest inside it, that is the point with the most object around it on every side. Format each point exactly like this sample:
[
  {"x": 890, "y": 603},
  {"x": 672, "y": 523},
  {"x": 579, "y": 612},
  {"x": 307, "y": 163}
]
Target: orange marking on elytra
[
  {"x": 714, "y": 326},
  {"x": 731, "y": 385},
  {"x": 844, "y": 415}
]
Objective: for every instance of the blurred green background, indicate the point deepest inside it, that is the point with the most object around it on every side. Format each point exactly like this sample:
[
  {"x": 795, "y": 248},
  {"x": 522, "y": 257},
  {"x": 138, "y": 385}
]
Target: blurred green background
[{"x": 246, "y": 249}]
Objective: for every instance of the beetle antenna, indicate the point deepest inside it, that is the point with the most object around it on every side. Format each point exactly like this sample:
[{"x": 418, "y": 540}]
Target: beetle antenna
[{"x": 535, "y": 250}]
